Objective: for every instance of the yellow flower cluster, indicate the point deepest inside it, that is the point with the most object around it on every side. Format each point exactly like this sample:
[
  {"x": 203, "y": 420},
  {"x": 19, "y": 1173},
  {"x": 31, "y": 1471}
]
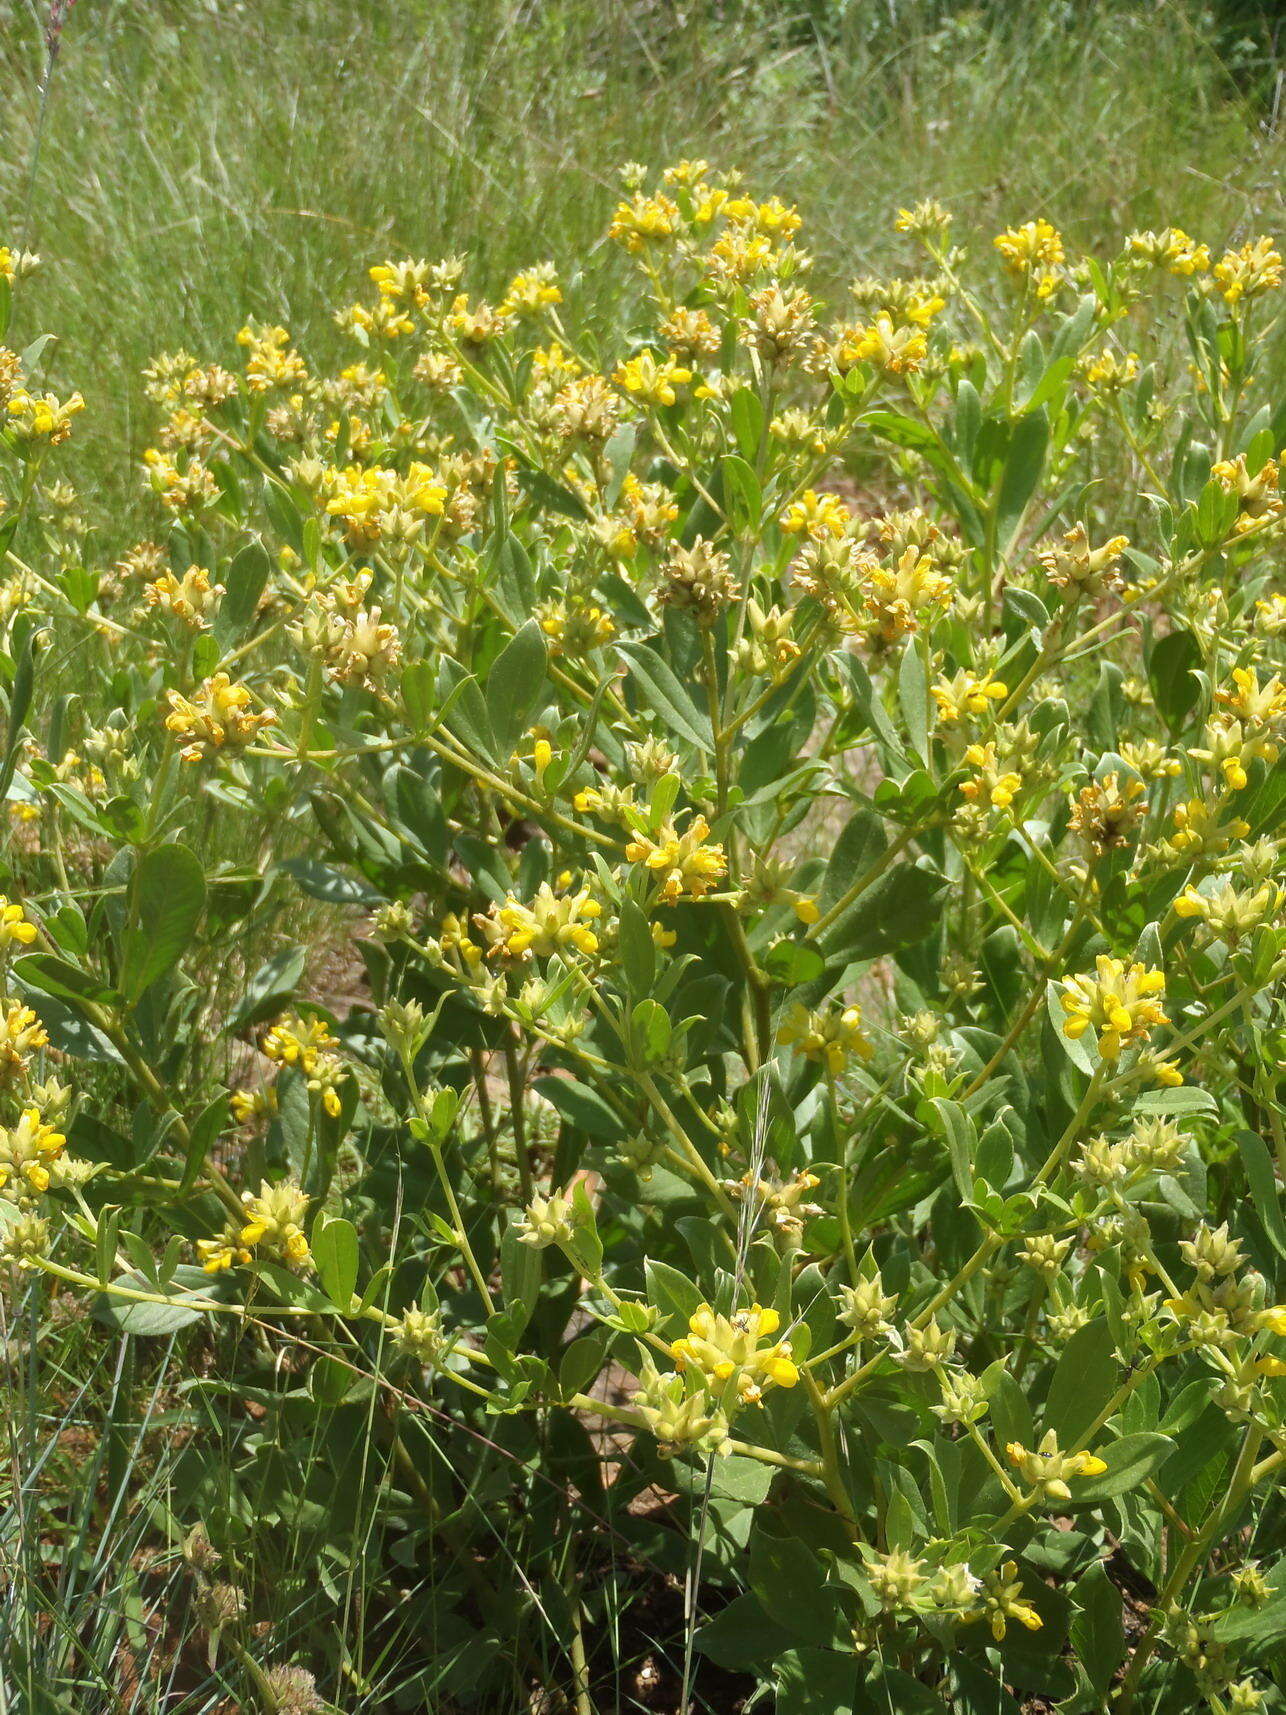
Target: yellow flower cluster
[
  {"x": 308, "y": 1046},
  {"x": 372, "y": 502},
  {"x": 729, "y": 1354},
  {"x": 1047, "y": 1470},
  {"x": 828, "y": 1037},
  {"x": 26, "y": 1150},
  {"x": 685, "y": 864},
  {"x": 42, "y": 416},
  {"x": 218, "y": 714},
  {"x": 16, "y": 928},
  {"x": 1117, "y": 1002},
  {"x": 551, "y": 923},
  {"x": 967, "y": 694},
  {"x": 273, "y": 1227},
  {"x": 21, "y": 1035},
  {"x": 1033, "y": 253}
]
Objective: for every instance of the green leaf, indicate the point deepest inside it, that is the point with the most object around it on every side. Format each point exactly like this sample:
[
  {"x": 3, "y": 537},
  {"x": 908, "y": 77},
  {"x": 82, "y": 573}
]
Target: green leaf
[
  {"x": 202, "y": 1134},
  {"x": 651, "y": 1032},
  {"x": 1024, "y": 466},
  {"x": 515, "y": 681},
  {"x": 520, "y": 1271},
  {"x": 52, "y": 975},
  {"x": 582, "y": 1361},
  {"x": 859, "y": 848},
  {"x": 334, "y": 1248},
  {"x": 464, "y": 712},
  {"x": 175, "y": 1311},
  {"x": 1084, "y": 1381},
  {"x": 1130, "y": 1461},
  {"x": 581, "y": 1107},
  {"x": 638, "y": 950},
  {"x": 1098, "y": 1630},
  {"x": 742, "y": 1635},
  {"x": 1265, "y": 1192},
  {"x": 270, "y": 989},
  {"x": 913, "y": 697},
  {"x": 1174, "y": 689},
  {"x": 244, "y": 583},
  {"x": 23, "y": 646},
  {"x": 672, "y": 1293},
  {"x": 790, "y": 1580},
  {"x": 164, "y": 902},
  {"x": 657, "y": 687},
  {"x": 897, "y": 910}
]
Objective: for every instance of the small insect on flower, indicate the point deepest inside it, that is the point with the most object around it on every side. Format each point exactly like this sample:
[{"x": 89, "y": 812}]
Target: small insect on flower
[
  {"x": 1047, "y": 1470},
  {"x": 1116, "y": 1002},
  {"x": 726, "y": 1351}
]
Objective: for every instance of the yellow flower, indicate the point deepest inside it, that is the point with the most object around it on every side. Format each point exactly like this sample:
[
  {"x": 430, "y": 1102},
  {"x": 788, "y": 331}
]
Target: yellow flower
[
  {"x": 15, "y": 928},
  {"x": 223, "y": 1253},
  {"x": 1033, "y": 251},
  {"x": 967, "y": 694},
  {"x": 728, "y": 1354},
  {"x": 219, "y": 713},
  {"x": 1002, "y": 1601},
  {"x": 827, "y": 1037},
  {"x": 816, "y": 515},
  {"x": 989, "y": 785},
  {"x": 1115, "y": 1002},
  {"x": 41, "y": 416},
  {"x": 902, "y": 597},
  {"x": 550, "y": 924},
  {"x": 1171, "y": 249},
  {"x": 1247, "y": 273},
  {"x": 650, "y": 382},
  {"x": 21, "y": 1034},
  {"x": 644, "y": 220},
  {"x": 686, "y": 865},
  {"x": 274, "y": 1223},
  {"x": 402, "y": 282},
  {"x": 531, "y": 291},
  {"x": 374, "y": 502},
  {"x": 26, "y": 1149},
  {"x": 248, "y": 1105},
  {"x": 896, "y": 350},
  {"x": 191, "y": 598},
  {"x": 271, "y": 360},
  {"x": 1047, "y": 1470},
  {"x": 297, "y": 1042}
]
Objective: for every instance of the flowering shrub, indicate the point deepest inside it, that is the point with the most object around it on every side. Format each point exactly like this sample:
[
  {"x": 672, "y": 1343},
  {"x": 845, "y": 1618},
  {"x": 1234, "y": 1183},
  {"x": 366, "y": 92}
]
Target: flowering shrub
[{"x": 803, "y": 788}]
